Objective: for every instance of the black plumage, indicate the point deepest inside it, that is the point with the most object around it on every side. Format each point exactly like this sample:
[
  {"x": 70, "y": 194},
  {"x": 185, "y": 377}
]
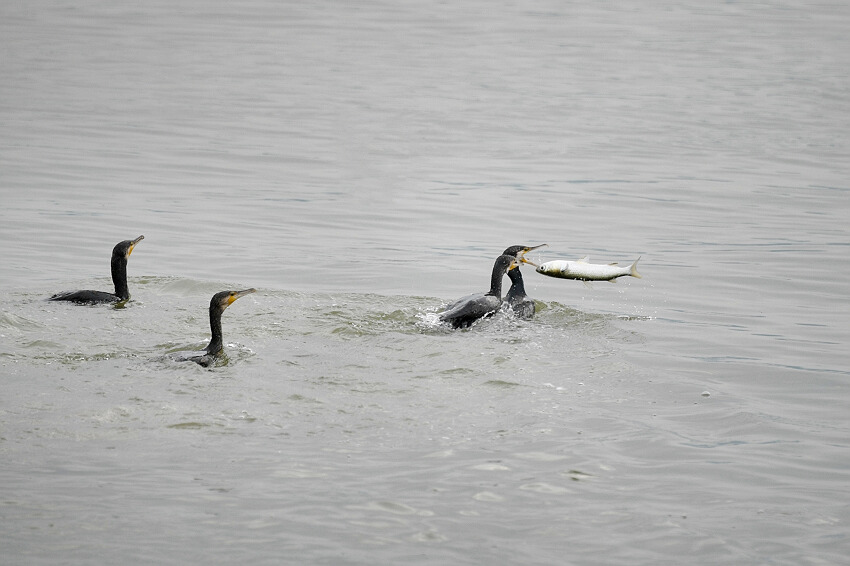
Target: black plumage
[
  {"x": 218, "y": 303},
  {"x": 466, "y": 310},
  {"x": 521, "y": 304},
  {"x": 120, "y": 254}
]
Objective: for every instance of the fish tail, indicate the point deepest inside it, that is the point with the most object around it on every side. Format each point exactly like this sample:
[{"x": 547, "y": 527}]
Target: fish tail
[{"x": 633, "y": 269}]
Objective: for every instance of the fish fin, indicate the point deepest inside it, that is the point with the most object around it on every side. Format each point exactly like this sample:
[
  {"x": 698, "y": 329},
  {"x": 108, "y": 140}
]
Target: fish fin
[
  {"x": 613, "y": 263},
  {"x": 585, "y": 259},
  {"x": 587, "y": 284},
  {"x": 633, "y": 269}
]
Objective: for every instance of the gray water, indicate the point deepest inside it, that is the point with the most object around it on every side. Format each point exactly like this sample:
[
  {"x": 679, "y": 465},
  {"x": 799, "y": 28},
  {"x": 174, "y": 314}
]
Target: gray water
[{"x": 362, "y": 164}]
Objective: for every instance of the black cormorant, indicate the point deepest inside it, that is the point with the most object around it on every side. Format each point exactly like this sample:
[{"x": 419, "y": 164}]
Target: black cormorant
[
  {"x": 120, "y": 253},
  {"x": 522, "y": 305},
  {"x": 467, "y": 310},
  {"x": 218, "y": 303}
]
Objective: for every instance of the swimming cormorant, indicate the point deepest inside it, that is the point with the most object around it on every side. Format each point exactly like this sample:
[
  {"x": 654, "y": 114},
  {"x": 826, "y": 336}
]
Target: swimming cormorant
[
  {"x": 218, "y": 303},
  {"x": 522, "y": 305},
  {"x": 120, "y": 253},
  {"x": 467, "y": 310}
]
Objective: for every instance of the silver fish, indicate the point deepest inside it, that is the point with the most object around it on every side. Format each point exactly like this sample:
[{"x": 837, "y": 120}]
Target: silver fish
[{"x": 583, "y": 270}]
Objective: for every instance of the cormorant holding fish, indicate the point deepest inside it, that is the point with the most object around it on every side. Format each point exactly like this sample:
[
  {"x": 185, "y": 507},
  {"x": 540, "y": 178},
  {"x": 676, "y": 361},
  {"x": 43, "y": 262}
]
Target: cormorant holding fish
[
  {"x": 522, "y": 305},
  {"x": 218, "y": 303},
  {"x": 120, "y": 253},
  {"x": 463, "y": 312}
]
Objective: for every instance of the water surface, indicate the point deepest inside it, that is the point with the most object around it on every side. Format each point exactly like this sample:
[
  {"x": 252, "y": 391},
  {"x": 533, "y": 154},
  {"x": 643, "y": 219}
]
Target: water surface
[{"x": 362, "y": 165}]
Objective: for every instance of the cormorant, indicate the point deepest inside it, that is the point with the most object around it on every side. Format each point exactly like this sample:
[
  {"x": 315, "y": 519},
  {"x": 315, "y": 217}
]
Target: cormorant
[
  {"x": 120, "y": 253},
  {"x": 467, "y": 310},
  {"x": 522, "y": 305},
  {"x": 218, "y": 303}
]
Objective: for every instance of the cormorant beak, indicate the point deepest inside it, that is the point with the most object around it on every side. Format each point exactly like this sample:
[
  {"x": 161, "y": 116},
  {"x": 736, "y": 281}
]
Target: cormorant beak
[
  {"x": 521, "y": 255},
  {"x": 133, "y": 245},
  {"x": 236, "y": 294}
]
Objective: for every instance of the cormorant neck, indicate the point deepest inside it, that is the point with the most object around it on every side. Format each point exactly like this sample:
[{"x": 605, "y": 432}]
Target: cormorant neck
[
  {"x": 517, "y": 284},
  {"x": 496, "y": 280},
  {"x": 119, "y": 277},
  {"x": 215, "y": 346}
]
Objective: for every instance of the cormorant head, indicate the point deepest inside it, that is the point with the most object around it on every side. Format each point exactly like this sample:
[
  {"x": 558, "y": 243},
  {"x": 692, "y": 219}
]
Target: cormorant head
[
  {"x": 520, "y": 251},
  {"x": 125, "y": 248},
  {"x": 507, "y": 262},
  {"x": 223, "y": 299}
]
